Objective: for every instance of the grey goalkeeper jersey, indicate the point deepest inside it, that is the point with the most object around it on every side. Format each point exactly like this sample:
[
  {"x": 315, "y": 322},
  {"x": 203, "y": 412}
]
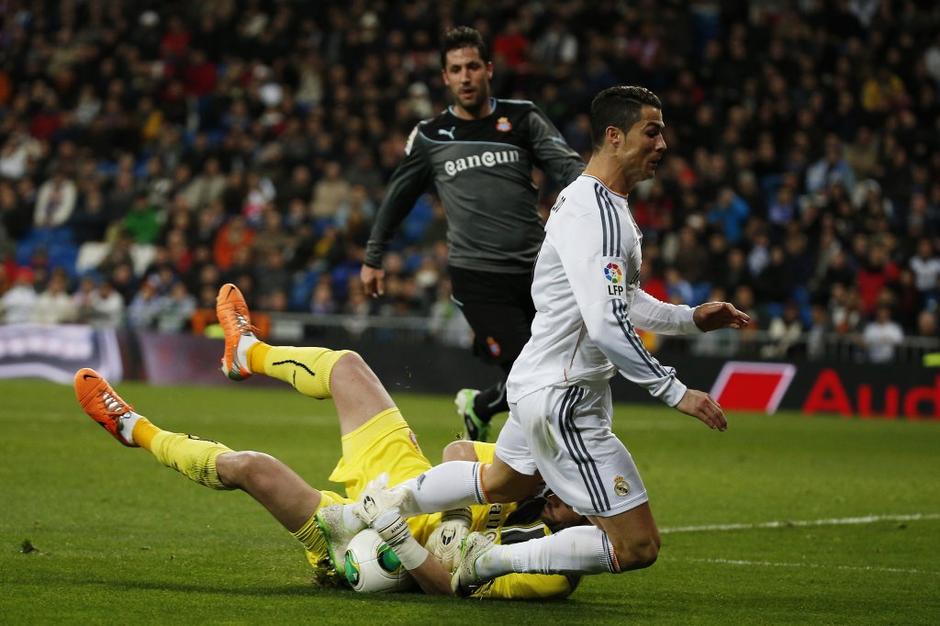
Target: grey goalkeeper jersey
[{"x": 482, "y": 170}]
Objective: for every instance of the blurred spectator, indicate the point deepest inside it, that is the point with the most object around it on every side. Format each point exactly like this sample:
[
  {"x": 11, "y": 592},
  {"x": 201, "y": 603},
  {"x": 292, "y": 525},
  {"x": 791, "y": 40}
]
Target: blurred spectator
[
  {"x": 207, "y": 187},
  {"x": 145, "y": 307},
  {"x": 19, "y": 301},
  {"x": 927, "y": 324},
  {"x": 234, "y": 235},
  {"x": 106, "y": 306},
  {"x": 555, "y": 46},
  {"x": 19, "y": 153},
  {"x": 832, "y": 168},
  {"x": 321, "y": 302},
  {"x": 816, "y": 335},
  {"x": 54, "y": 305},
  {"x": 872, "y": 277},
  {"x": 691, "y": 259},
  {"x": 55, "y": 202},
  {"x": 845, "y": 310},
  {"x": 882, "y": 336},
  {"x": 926, "y": 266},
  {"x": 730, "y": 212},
  {"x": 862, "y": 154},
  {"x": 330, "y": 192},
  {"x": 775, "y": 281},
  {"x": 785, "y": 332},
  {"x": 678, "y": 289},
  {"x": 175, "y": 309},
  {"x": 141, "y": 222}
]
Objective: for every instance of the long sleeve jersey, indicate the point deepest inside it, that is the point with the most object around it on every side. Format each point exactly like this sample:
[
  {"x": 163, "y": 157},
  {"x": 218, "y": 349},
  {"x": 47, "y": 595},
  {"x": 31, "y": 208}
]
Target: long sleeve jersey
[
  {"x": 482, "y": 170},
  {"x": 589, "y": 303}
]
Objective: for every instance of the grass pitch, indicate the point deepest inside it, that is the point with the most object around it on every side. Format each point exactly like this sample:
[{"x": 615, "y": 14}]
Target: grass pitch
[{"x": 91, "y": 532}]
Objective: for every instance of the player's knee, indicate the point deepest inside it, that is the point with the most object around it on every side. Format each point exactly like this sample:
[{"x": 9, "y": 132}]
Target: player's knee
[
  {"x": 459, "y": 451},
  {"x": 350, "y": 364},
  {"x": 245, "y": 469},
  {"x": 637, "y": 552}
]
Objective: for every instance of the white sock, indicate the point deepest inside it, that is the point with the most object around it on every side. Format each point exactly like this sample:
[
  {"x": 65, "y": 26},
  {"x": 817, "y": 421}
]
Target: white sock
[
  {"x": 245, "y": 342},
  {"x": 128, "y": 421},
  {"x": 446, "y": 486},
  {"x": 575, "y": 550}
]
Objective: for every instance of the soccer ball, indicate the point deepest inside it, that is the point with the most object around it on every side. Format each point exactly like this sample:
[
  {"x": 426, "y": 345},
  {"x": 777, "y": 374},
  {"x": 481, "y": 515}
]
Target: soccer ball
[{"x": 370, "y": 566}]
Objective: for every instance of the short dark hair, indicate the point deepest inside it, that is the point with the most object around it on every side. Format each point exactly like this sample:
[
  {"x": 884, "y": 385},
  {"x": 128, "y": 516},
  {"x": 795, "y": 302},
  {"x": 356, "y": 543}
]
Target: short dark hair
[
  {"x": 619, "y": 107},
  {"x": 463, "y": 37}
]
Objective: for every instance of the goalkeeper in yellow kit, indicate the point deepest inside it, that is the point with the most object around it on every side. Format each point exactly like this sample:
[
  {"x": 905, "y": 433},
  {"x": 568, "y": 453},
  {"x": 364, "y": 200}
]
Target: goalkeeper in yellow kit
[{"x": 376, "y": 442}]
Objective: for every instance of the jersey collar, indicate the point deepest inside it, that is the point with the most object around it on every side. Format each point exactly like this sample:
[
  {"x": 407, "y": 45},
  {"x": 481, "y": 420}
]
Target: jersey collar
[
  {"x": 619, "y": 195},
  {"x": 450, "y": 109}
]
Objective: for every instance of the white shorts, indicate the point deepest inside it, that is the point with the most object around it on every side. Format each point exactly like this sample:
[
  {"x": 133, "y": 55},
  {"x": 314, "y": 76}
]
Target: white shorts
[{"x": 565, "y": 434}]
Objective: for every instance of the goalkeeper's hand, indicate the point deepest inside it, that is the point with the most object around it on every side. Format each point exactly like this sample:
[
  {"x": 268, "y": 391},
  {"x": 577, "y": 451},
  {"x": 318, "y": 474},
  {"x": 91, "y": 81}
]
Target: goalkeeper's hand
[{"x": 444, "y": 542}]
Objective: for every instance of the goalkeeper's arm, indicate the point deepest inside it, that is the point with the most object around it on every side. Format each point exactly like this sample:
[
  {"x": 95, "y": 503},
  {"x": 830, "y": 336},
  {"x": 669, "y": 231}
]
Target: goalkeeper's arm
[{"x": 424, "y": 567}]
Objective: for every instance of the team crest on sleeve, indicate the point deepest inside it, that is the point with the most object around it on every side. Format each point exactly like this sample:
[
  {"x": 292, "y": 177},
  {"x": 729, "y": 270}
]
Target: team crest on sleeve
[
  {"x": 621, "y": 486},
  {"x": 503, "y": 125},
  {"x": 613, "y": 273}
]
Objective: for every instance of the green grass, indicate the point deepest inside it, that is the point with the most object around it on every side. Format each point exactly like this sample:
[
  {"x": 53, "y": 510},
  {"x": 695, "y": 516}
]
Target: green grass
[{"x": 121, "y": 539}]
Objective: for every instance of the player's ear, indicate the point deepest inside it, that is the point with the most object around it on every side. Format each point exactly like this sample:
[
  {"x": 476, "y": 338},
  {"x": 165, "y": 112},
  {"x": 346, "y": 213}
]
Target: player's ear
[
  {"x": 614, "y": 136},
  {"x": 489, "y": 70}
]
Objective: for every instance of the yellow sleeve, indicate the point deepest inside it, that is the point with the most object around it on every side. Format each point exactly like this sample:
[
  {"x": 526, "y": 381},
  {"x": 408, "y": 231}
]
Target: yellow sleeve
[
  {"x": 486, "y": 452},
  {"x": 527, "y": 586}
]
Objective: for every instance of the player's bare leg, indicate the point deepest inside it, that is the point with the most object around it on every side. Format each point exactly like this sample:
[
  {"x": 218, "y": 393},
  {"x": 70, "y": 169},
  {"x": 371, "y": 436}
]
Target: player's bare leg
[
  {"x": 633, "y": 535},
  {"x": 284, "y": 494},
  {"x": 623, "y": 542},
  {"x": 316, "y": 372},
  {"x": 275, "y": 486}
]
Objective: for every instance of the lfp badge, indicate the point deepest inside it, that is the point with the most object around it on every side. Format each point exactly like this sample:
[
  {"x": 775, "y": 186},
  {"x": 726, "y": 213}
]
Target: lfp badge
[{"x": 614, "y": 276}]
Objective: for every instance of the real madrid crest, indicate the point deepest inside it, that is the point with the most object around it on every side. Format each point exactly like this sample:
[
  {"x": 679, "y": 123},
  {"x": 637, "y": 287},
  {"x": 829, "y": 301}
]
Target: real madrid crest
[
  {"x": 503, "y": 125},
  {"x": 621, "y": 486}
]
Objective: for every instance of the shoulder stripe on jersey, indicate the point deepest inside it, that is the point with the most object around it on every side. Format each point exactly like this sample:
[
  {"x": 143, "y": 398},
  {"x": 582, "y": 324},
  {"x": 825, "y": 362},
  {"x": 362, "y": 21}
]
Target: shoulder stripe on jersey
[
  {"x": 608, "y": 236},
  {"x": 616, "y": 218},
  {"x": 592, "y": 466},
  {"x": 620, "y": 313}
]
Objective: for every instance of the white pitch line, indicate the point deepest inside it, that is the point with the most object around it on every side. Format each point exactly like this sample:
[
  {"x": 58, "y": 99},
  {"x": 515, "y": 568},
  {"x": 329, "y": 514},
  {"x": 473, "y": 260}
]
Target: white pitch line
[
  {"x": 839, "y": 521},
  {"x": 857, "y": 568}
]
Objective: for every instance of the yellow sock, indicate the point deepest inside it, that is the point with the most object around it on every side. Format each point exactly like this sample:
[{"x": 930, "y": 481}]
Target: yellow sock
[
  {"x": 310, "y": 535},
  {"x": 192, "y": 457},
  {"x": 306, "y": 369},
  {"x": 144, "y": 432}
]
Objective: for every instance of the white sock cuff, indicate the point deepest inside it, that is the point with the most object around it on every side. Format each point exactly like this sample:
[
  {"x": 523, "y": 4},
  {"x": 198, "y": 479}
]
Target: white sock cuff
[
  {"x": 127, "y": 426},
  {"x": 609, "y": 554},
  {"x": 245, "y": 342}
]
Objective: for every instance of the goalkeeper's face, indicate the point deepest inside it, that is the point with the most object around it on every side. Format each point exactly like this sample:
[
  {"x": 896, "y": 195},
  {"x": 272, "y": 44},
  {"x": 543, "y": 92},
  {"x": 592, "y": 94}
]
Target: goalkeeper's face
[
  {"x": 557, "y": 515},
  {"x": 467, "y": 76}
]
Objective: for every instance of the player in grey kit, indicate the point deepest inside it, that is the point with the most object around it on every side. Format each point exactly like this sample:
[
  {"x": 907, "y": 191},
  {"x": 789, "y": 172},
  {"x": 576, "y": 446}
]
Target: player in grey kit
[{"x": 479, "y": 155}]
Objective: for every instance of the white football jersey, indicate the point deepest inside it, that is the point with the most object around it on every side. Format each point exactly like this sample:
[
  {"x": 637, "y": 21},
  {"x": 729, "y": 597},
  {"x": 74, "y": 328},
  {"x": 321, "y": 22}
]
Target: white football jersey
[{"x": 589, "y": 303}]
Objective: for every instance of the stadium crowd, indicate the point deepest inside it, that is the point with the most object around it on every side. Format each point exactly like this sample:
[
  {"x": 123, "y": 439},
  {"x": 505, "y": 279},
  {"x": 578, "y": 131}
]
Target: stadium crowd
[{"x": 150, "y": 151}]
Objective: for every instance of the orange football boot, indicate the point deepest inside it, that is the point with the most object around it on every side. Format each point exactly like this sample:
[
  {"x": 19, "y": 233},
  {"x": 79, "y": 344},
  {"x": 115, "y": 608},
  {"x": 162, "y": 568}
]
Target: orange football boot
[
  {"x": 232, "y": 311},
  {"x": 101, "y": 402}
]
